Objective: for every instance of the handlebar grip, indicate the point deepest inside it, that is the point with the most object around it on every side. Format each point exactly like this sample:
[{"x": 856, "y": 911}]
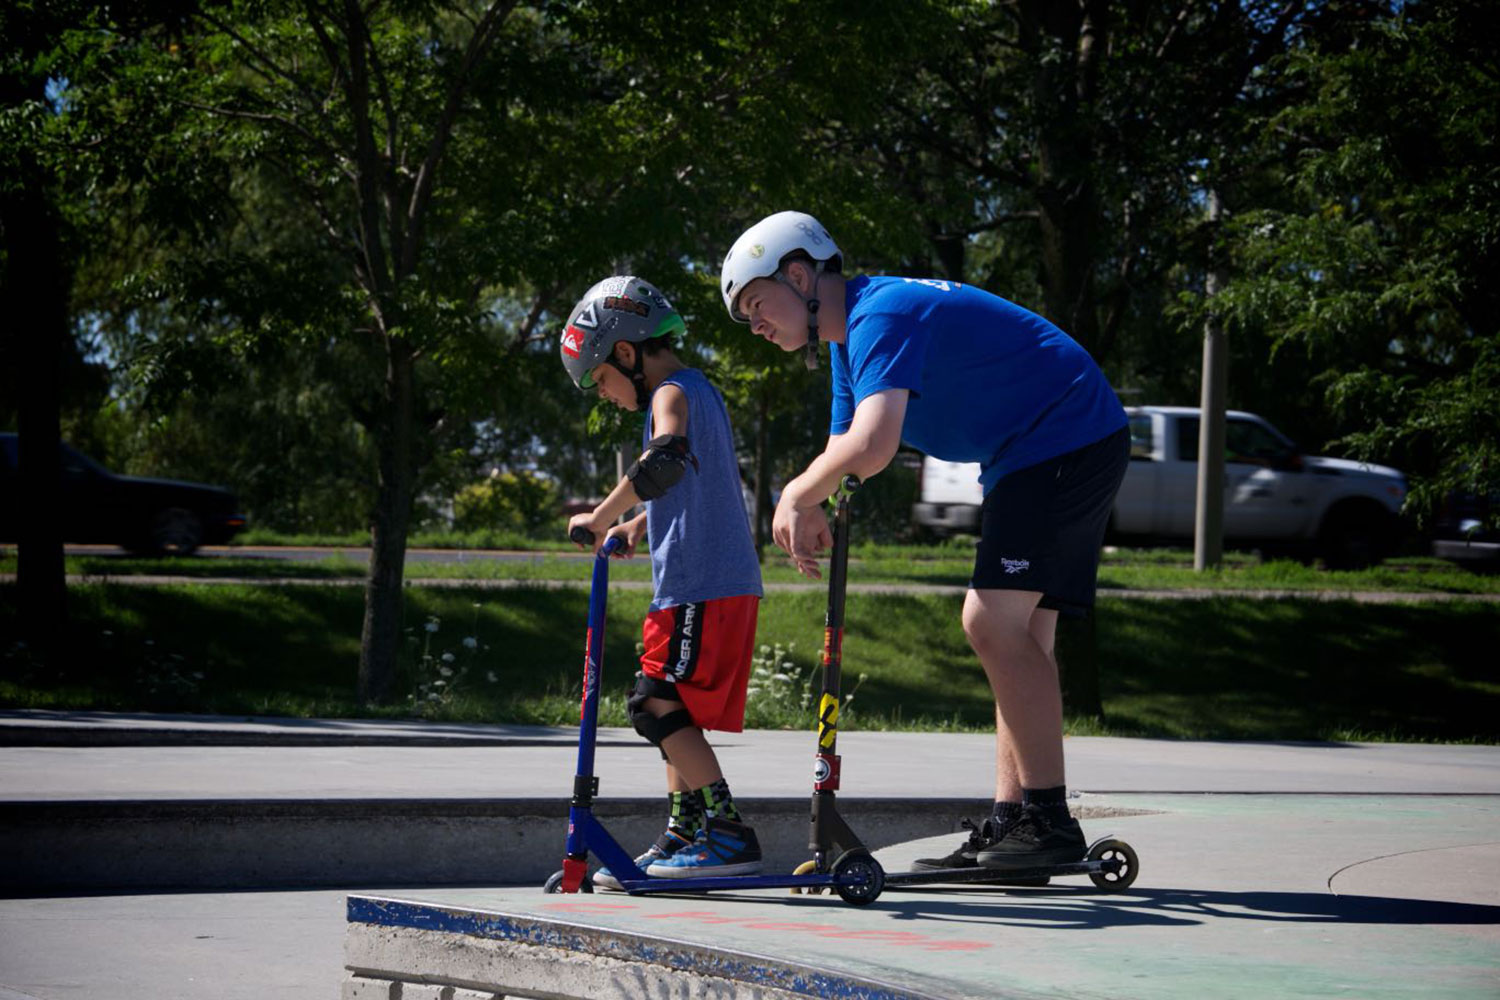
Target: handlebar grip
[
  {"x": 845, "y": 489},
  {"x": 581, "y": 535}
]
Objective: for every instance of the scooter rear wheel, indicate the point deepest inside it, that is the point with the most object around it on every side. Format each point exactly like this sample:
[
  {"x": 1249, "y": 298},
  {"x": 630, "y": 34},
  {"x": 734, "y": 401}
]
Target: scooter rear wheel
[
  {"x": 872, "y": 878},
  {"x": 1128, "y": 865}
]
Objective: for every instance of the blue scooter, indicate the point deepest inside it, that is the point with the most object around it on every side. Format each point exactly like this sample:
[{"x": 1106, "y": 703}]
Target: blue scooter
[{"x": 840, "y": 862}]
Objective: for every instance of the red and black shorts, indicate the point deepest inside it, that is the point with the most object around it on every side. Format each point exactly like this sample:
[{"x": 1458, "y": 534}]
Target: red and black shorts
[{"x": 704, "y": 650}]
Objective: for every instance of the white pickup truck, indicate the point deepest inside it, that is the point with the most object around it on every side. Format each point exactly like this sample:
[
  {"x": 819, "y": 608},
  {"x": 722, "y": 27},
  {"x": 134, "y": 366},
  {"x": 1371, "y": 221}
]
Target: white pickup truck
[{"x": 1275, "y": 498}]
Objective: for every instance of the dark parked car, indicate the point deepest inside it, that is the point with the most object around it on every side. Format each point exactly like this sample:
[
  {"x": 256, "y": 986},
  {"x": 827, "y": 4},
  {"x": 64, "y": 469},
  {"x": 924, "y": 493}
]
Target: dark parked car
[
  {"x": 149, "y": 516},
  {"x": 1460, "y": 535}
]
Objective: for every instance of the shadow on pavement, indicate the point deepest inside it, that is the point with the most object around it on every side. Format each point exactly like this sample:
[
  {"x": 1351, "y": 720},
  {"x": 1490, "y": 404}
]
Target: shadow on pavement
[{"x": 1085, "y": 909}]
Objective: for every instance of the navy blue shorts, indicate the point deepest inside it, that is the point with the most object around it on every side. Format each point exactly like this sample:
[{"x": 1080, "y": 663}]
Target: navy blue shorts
[{"x": 1041, "y": 527}]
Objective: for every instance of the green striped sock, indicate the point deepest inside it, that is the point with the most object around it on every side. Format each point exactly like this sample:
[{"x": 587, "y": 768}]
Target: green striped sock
[
  {"x": 685, "y": 813},
  {"x": 718, "y": 802}
]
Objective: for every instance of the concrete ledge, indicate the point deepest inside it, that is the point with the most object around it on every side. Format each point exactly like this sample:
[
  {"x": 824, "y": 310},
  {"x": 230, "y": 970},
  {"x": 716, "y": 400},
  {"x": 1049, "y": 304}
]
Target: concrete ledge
[
  {"x": 362, "y": 842},
  {"x": 393, "y": 947}
]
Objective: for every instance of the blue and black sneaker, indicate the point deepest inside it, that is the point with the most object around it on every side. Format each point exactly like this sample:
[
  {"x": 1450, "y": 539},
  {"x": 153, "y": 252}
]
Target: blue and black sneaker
[
  {"x": 668, "y": 844},
  {"x": 723, "y": 847}
]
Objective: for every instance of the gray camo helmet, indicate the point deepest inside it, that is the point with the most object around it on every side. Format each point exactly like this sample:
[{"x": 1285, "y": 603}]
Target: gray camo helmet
[{"x": 622, "y": 307}]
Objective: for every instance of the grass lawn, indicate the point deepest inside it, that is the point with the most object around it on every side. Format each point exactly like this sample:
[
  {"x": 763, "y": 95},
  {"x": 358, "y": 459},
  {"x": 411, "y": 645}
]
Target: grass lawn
[
  {"x": 1124, "y": 569},
  {"x": 1220, "y": 668}
]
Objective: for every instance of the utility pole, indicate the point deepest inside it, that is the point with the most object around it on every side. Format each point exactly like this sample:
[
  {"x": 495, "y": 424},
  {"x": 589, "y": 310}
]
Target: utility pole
[{"x": 1208, "y": 520}]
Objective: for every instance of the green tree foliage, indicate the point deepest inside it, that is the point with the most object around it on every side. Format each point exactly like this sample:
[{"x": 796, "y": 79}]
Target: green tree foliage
[
  {"x": 507, "y": 501},
  {"x": 1057, "y": 154},
  {"x": 1378, "y": 272},
  {"x": 82, "y": 113},
  {"x": 419, "y": 187},
  {"x": 324, "y": 247}
]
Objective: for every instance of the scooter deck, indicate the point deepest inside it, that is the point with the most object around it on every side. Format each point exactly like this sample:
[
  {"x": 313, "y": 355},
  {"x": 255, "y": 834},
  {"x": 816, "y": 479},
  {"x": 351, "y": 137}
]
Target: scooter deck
[
  {"x": 919, "y": 876},
  {"x": 1111, "y": 864},
  {"x": 651, "y": 884}
]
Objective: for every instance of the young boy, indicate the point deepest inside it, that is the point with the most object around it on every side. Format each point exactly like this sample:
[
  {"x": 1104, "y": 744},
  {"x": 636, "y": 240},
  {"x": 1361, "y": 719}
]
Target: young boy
[
  {"x": 700, "y": 630},
  {"x": 966, "y": 376}
]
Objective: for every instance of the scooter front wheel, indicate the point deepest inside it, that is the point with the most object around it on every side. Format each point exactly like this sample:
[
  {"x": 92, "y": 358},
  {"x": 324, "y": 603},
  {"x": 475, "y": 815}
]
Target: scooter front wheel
[
  {"x": 554, "y": 883},
  {"x": 871, "y": 878}
]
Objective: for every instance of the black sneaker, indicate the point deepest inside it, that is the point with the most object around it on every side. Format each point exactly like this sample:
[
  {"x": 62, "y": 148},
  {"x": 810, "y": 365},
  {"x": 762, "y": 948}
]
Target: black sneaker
[
  {"x": 1036, "y": 840},
  {"x": 966, "y": 856},
  {"x": 980, "y": 837}
]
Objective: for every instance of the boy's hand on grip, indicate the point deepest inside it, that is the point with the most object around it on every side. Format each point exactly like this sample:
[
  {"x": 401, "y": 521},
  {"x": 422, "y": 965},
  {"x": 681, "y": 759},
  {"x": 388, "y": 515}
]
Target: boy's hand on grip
[{"x": 581, "y": 532}]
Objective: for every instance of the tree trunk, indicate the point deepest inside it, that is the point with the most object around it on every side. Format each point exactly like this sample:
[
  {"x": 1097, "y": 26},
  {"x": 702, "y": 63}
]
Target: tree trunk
[
  {"x": 1067, "y": 42},
  {"x": 380, "y": 640},
  {"x": 35, "y": 302},
  {"x": 1078, "y": 666}
]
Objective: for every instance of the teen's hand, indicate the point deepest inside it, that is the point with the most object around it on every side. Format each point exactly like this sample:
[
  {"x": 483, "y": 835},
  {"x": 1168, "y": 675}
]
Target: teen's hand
[{"x": 802, "y": 533}]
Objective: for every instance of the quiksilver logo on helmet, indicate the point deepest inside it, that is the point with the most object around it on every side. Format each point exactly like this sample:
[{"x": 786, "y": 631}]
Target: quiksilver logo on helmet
[{"x": 572, "y": 340}]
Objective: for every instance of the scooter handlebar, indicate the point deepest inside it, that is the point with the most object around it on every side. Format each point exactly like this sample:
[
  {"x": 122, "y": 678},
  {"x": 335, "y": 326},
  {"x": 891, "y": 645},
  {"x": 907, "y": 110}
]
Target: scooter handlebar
[
  {"x": 845, "y": 488},
  {"x": 584, "y": 536}
]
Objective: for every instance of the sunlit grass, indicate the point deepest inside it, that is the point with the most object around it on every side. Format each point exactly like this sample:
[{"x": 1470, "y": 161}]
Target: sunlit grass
[
  {"x": 1218, "y": 668},
  {"x": 947, "y": 565}
]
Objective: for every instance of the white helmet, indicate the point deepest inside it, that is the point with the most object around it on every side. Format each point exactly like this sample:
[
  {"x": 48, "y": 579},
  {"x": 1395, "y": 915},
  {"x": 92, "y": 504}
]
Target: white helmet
[{"x": 760, "y": 250}]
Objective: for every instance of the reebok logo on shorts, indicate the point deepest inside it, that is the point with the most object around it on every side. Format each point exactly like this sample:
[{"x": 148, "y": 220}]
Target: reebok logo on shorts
[{"x": 1013, "y": 566}]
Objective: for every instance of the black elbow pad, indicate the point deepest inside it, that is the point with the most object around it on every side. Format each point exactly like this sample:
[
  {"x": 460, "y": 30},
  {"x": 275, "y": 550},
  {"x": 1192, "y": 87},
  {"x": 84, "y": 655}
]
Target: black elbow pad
[{"x": 661, "y": 467}]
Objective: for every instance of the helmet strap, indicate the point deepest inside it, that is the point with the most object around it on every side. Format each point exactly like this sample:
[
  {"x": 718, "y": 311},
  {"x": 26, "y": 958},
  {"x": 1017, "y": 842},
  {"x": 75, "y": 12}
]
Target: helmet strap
[
  {"x": 637, "y": 375},
  {"x": 810, "y": 358}
]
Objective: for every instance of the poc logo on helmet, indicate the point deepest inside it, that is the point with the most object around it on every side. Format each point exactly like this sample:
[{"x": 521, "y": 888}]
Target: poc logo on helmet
[{"x": 811, "y": 233}]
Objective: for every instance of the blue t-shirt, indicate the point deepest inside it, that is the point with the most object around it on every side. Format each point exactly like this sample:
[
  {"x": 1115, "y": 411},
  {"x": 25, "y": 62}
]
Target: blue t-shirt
[
  {"x": 990, "y": 382},
  {"x": 701, "y": 546}
]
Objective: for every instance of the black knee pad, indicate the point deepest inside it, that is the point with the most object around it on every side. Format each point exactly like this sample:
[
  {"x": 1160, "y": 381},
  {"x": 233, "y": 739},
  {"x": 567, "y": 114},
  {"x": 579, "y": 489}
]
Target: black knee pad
[{"x": 651, "y": 727}]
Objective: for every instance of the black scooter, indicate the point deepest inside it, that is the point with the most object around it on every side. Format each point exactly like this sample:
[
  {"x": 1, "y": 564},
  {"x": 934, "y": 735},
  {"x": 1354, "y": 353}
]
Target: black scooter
[{"x": 1111, "y": 864}]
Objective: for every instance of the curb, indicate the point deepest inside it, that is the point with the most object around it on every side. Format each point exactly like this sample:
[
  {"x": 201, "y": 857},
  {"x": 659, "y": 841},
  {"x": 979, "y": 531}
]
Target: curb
[
  {"x": 47, "y": 846},
  {"x": 389, "y": 945}
]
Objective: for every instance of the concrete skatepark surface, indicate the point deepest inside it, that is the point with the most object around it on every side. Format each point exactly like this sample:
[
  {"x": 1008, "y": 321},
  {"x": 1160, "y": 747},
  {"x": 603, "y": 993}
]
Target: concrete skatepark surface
[{"x": 1361, "y": 870}]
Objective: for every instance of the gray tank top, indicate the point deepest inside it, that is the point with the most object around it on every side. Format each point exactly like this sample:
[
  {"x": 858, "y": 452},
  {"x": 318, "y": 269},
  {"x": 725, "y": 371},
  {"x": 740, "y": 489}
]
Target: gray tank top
[{"x": 701, "y": 545}]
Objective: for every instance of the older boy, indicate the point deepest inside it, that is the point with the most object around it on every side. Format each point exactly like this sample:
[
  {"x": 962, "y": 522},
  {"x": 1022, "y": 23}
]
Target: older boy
[{"x": 965, "y": 376}]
